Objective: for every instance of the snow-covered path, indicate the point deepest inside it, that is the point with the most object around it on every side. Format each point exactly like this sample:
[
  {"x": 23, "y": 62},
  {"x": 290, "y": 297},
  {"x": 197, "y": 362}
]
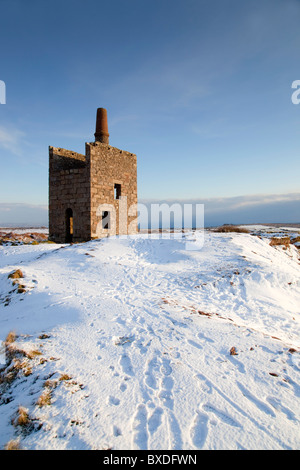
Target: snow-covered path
[{"x": 144, "y": 328}]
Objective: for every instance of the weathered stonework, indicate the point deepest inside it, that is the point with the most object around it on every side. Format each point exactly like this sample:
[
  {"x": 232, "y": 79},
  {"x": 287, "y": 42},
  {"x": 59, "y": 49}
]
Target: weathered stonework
[{"x": 92, "y": 195}]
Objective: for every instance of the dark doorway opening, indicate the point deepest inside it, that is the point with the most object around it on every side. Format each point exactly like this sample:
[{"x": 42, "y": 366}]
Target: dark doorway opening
[{"x": 69, "y": 226}]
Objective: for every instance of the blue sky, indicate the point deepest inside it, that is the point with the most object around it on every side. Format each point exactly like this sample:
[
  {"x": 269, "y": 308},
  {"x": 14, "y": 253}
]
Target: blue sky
[{"x": 200, "y": 90}]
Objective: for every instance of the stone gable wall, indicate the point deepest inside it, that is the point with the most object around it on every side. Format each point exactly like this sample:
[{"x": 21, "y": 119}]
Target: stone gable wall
[
  {"x": 109, "y": 166},
  {"x": 69, "y": 188}
]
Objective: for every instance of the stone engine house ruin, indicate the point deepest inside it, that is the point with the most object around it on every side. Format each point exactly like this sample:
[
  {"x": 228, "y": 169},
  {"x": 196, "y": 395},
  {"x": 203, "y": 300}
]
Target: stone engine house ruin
[{"x": 92, "y": 195}]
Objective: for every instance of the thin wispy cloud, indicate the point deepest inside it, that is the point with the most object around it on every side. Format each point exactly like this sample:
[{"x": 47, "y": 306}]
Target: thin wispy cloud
[
  {"x": 251, "y": 201},
  {"x": 12, "y": 140},
  {"x": 270, "y": 208}
]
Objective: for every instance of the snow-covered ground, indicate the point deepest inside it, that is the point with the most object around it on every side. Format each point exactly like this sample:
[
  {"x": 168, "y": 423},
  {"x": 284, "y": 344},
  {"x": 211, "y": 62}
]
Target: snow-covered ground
[{"x": 133, "y": 341}]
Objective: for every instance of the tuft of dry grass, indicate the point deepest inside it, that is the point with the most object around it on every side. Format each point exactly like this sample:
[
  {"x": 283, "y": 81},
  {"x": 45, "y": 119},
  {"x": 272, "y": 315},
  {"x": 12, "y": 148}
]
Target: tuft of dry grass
[
  {"x": 16, "y": 360},
  {"x": 64, "y": 377},
  {"x": 16, "y": 274},
  {"x": 24, "y": 422},
  {"x": 230, "y": 228},
  {"x": 44, "y": 336},
  {"x": 24, "y": 366},
  {"x": 10, "y": 338},
  {"x": 11, "y": 351},
  {"x": 51, "y": 384},
  {"x": 27, "y": 370},
  {"x": 22, "y": 419},
  {"x": 14, "y": 444},
  {"x": 45, "y": 398},
  {"x": 8, "y": 377},
  {"x": 276, "y": 241},
  {"x": 33, "y": 353},
  {"x": 21, "y": 289}
]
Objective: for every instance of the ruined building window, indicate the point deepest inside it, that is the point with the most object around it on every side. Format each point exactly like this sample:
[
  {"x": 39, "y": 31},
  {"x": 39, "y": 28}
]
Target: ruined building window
[
  {"x": 105, "y": 220},
  {"x": 117, "y": 191},
  {"x": 69, "y": 226}
]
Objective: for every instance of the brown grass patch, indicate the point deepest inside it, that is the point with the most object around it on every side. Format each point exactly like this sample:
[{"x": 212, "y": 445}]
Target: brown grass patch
[
  {"x": 45, "y": 398},
  {"x": 44, "y": 336},
  {"x": 65, "y": 377},
  {"x": 16, "y": 274},
  {"x": 22, "y": 418},
  {"x": 24, "y": 422},
  {"x": 230, "y": 228},
  {"x": 11, "y": 350},
  {"x": 27, "y": 371},
  {"x": 10, "y": 338},
  {"x": 52, "y": 384},
  {"x": 21, "y": 289},
  {"x": 8, "y": 377},
  {"x": 14, "y": 444},
  {"x": 32, "y": 354},
  {"x": 16, "y": 360},
  {"x": 276, "y": 241}
]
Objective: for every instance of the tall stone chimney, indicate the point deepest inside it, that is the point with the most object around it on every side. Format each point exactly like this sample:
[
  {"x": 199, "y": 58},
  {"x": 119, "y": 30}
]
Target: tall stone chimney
[
  {"x": 101, "y": 134},
  {"x": 93, "y": 195}
]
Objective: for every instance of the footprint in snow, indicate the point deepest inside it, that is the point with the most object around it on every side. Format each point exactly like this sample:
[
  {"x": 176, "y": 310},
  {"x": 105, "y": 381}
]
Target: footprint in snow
[
  {"x": 194, "y": 344},
  {"x": 201, "y": 336},
  {"x": 222, "y": 415},
  {"x": 205, "y": 384},
  {"x": 126, "y": 365},
  {"x": 140, "y": 434},
  {"x": 280, "y": 407},
  {"x": 166, "y": 367},
  {"x": 155, "y": 420},
  {"x": 117, "y": 431},
  {"x": 199, "y": 430},
  {"x": 260, "y": 404},
  {"x": 151, "y": 373},
  {"x": 113, "y": 401}
]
